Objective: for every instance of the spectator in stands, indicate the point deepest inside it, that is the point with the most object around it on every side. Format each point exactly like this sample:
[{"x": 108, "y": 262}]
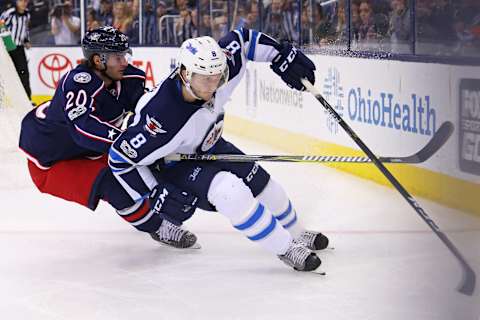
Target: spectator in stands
[
  {"x": 178, "y": 6},
  {"x": 166, "y": 25},
  {"x": 105, "y": 15},
  {"x": 220, "y": 26},
  {"x": 240, "y": 17},
  {"x": 92, "y": 21},
  {"x": 186, "y": 27},
  {"x": 400, "y": 26},
  {"x": 65, "y": 26},
  {"x": 467, "y": 27},
  {"x": 372, "y": 27},
  {"x": 323, "y": 29},
  {"x": 355, "y": 23},
  {"x": 366, "y": 27},
  {"x": 443, "y": 21},
  {"x": 252, "y": 16},
  {"x": 426, "y": 33},
  {"x": 133, "y": 8},
  {"x": 281, "y": 21},
  {"x": 122, "y": 19},
  {"x": 150, "y": 34},
  {"x": 206, "y": 25}
]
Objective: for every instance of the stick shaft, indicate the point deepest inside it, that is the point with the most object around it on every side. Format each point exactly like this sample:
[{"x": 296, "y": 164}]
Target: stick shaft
[{"x": 467, "y": 286}]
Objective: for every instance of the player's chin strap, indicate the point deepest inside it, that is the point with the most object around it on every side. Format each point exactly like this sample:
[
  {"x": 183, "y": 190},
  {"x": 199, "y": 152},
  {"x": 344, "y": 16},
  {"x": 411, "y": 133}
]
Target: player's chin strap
[
  {"x": 187, "y": 85},
  {"x": 103, "y": 58}
]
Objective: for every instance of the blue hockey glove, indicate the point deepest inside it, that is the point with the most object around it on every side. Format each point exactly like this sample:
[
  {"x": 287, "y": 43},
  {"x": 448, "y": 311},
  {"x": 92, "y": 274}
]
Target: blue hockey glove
[
  {"x": 292, "y": 66},
  {"x": 172, "y": 203}
]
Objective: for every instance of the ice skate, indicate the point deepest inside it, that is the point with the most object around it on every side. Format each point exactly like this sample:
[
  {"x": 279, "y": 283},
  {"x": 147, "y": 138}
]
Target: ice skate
[
  {"x": 313, "y": 240},
  {"x": 174, "y": 236},
  {"x": 300, "y": 258}
]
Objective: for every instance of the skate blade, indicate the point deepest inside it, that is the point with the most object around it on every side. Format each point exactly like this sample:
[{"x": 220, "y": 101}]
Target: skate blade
[
  {"x": 196, "y": 246},
  {"x": 319, "y": 272},
  {"x": 327, "y": 249}
]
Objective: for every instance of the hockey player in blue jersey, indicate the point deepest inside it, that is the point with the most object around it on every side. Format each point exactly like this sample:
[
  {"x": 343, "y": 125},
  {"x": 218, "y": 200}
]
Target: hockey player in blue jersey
[
  {"x": 66, "y": 139},
  {"x": 184, "y": 114}
]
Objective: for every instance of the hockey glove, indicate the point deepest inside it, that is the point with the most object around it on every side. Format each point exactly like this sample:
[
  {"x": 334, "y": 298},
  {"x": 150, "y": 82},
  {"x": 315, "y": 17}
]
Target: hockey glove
[
  {"x": 292, "y": 66},
  {"x": 172, "y": 203}
]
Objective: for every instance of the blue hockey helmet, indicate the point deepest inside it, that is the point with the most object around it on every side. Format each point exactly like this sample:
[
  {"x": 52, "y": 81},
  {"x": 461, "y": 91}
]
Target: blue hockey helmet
[{"x": 104, "y": 40}]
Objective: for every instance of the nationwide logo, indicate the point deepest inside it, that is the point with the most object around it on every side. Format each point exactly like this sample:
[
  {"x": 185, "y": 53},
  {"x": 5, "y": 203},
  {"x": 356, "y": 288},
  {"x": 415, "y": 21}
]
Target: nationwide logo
[
  {"x": 153, "y": 127},
  {"x": 52, "y": 67},
  {"x": 270, "y": 93},
  {"x": 333, "y": 92},
  {"x": 383, "y": 109}
]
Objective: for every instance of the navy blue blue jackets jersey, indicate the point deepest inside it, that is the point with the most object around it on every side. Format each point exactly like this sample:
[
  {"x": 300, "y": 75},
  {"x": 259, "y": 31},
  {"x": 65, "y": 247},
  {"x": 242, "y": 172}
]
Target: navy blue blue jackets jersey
[
  {"x": 164, "y": 123},
  {"x": 82, "y": 119}
]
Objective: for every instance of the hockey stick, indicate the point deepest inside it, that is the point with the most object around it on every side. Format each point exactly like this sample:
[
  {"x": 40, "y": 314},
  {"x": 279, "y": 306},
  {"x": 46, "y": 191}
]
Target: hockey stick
[
  {"x": 437, "y": 141},
  {"x": 467, "y": 285}
]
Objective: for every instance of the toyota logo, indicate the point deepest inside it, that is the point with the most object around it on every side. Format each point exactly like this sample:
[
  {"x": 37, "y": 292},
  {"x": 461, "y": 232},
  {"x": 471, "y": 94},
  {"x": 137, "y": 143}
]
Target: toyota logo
[{"x": 52, "y": 67}]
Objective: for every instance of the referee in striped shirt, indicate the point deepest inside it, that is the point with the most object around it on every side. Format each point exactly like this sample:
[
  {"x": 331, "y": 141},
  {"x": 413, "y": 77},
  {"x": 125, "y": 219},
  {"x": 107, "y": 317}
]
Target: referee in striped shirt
[{"x": 17, "y": 20}]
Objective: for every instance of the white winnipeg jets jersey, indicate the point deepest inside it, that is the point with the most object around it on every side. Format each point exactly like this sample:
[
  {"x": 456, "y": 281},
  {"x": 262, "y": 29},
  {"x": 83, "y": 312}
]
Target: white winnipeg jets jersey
[{"x": 165, "y": 124}]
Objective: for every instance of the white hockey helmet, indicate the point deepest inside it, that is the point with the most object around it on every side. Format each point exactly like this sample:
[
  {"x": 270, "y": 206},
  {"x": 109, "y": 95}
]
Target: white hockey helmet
[{"x": 202, "y": 56}]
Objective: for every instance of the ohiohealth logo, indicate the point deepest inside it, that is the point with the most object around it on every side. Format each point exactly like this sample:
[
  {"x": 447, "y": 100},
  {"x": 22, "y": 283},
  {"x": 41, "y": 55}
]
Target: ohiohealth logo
[
  {"x": 333, "y": 93},
  {"x": 410, "y": 112}
]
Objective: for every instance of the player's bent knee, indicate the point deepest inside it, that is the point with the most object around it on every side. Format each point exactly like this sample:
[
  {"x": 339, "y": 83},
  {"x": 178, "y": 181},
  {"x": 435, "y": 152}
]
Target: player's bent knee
[
  {"x": 274, "y": 196},
  {"x": 230, "y": 195}
]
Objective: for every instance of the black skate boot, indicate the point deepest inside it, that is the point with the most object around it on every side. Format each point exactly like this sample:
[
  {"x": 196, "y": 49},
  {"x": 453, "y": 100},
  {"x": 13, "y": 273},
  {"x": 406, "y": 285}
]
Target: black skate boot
[
  {"x": 300, "y": 258},
  {"x": 313, "y": 240},
  {"x": 174, "y": 236}
]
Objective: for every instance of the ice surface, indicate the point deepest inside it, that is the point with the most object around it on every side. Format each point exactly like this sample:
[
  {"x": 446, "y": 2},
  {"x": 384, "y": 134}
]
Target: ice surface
[{"x": 60, "y": 261}]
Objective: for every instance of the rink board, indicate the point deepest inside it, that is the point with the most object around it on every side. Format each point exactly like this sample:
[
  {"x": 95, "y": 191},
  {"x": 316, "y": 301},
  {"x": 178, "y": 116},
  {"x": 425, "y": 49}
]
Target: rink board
[{"x": 401, "y": 102}]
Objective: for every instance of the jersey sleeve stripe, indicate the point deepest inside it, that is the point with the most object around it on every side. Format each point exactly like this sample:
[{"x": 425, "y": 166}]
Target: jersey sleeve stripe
[
  {"x": 91, "y": 136},
  {"x": 34, "y": 160},
  {"x": 105, "y": 123},
  {"x": 98, "y": 90},
  {"x": 134, "y": 76},
  {"x": 114, "y": 157},
  {"x": 65, "y": 79},
  {"x": 138, "y": 214},
  {"x": 252, "y": 45}
]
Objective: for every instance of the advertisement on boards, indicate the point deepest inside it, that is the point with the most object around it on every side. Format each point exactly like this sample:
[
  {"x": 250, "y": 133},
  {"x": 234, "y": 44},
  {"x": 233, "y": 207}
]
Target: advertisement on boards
[
  {"x": 469, "y": 126},
  {"x": 48, "y": 65}
]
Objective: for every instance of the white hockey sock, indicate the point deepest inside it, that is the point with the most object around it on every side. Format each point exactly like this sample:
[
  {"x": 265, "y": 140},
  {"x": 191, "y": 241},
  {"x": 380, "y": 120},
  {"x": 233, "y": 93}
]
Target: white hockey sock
[
  {"x": 275, "y": 198},
  {"x": 233, "y": 199}
]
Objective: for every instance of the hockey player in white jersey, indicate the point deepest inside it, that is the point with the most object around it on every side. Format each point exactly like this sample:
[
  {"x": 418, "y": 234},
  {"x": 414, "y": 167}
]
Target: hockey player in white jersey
[{"x": 184, "y": 114}]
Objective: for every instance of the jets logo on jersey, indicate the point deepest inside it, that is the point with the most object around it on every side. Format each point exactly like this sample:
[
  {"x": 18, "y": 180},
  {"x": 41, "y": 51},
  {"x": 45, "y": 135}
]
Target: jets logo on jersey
[
  {"x": 212, "y": 136},
  {"x": 153, "y": 126},
  {"x": 82, "y": 77}
]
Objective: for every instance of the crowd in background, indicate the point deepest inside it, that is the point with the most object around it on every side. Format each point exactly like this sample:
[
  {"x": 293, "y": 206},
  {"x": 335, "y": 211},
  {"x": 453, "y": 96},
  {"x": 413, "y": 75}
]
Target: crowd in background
[{"x": 441, "y": 27}]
